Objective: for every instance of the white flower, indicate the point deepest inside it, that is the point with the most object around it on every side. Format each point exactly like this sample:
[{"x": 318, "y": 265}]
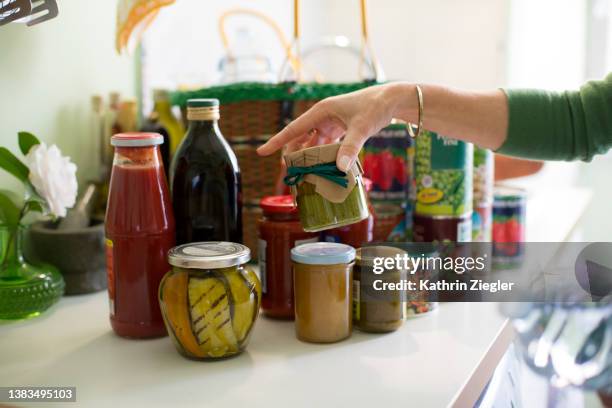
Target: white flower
[{"x": 53, "y": 176}]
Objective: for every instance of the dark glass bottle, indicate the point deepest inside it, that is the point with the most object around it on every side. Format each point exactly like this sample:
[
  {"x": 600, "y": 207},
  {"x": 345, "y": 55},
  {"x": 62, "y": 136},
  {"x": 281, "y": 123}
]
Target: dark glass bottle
[
  {"x": 152, "y": 125},
  {"x": 205, "y": 180}
]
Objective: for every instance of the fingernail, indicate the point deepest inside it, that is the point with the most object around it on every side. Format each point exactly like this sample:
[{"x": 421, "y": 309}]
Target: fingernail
[{"x": 344, "y": 163}]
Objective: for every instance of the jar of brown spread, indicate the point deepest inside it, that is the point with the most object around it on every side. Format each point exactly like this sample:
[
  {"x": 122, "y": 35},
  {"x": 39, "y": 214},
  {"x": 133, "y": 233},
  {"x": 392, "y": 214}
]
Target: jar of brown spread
[
  {"x": 323, "y": 284},
  {"x": 377, "y": 305}
]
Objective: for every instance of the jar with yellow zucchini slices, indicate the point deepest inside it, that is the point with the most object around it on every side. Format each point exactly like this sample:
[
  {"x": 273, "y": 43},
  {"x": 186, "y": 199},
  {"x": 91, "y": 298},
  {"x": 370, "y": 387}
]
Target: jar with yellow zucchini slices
[{"x": 210, "y": 299}]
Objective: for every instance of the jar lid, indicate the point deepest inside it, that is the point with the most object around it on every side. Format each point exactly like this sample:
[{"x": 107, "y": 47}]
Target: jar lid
[
  {"x": 323, "y": 253},
  {"x": 209, "y": 255},
  {"x": 202, "y": 103},
  {"x": 508, "y": 193},
  {"x": 137, "y": 139},
  {"x": 278, "y": 204}
]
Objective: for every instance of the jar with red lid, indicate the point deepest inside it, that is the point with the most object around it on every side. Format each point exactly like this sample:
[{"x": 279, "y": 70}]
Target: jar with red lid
[
  {"x": 358, "y": 234},
  {"x": 280, "y": 231}
]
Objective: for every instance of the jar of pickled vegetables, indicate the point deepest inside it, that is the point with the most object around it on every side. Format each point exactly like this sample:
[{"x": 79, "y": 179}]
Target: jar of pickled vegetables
[
  {"x": 323, "y": 280},
  {"x": 280, "y": 230},
  {"x": 376, "y": 310},
  {"x": 210, "y": 299},
  {"x": 326, "y": 197}
]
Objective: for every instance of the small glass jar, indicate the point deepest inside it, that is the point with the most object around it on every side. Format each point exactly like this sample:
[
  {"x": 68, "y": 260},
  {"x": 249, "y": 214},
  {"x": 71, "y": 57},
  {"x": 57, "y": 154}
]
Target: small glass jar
[
  {"x": 318, "y": 213},
  {"x": 326, "y": 197},
  {"x": 323, "y": 281},
  {"x": 420, "y": 302},
  {"x": 280, "y": 230},
  {"x": 376, "y": 307},
  {"x": 210, "y": 299},
  {"x": 358, "y": 234}
]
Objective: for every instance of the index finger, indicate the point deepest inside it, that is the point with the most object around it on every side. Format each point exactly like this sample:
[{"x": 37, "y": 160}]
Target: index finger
[{"x": 293, "y": 130}]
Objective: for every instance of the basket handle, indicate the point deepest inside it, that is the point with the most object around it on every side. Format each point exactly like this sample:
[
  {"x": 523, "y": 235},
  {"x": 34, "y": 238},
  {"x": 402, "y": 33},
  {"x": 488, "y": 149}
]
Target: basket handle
[
  {"x": 367, "y": 55},
  {"x": 293, "y": 60}
]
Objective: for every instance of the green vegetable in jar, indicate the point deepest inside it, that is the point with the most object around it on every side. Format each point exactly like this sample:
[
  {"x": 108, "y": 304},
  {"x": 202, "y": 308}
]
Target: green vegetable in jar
[{"x": 318, "y": 213}]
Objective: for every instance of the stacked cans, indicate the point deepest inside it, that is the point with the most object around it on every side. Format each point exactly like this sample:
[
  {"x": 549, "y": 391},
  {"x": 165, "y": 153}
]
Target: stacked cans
[
  {"x": 444, "y": 196},
  {"x": 482, "y": 217},
  {"x": 388, "y": 162}
]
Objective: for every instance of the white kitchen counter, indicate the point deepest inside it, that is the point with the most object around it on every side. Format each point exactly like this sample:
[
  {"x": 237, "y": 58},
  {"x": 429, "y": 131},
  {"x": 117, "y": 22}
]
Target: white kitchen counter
[{"x": 442, "y": 359}]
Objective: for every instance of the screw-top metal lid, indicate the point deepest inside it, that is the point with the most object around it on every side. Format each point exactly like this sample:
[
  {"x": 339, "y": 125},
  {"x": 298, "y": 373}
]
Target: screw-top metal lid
[
  {"x": 209, "y": 255},
  {"x": 203, "y": 109},
  {"x": 137, "y": 139},
  {"x": 202, "y": 103},
  {"x": 323, "y": 253}
]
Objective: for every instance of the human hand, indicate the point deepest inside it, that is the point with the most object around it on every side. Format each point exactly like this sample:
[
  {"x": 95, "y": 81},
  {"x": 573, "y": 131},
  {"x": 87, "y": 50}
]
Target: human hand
[{"x": 356, "y": 116}]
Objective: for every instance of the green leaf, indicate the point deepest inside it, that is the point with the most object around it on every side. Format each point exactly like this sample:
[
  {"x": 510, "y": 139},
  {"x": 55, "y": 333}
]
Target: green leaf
[
  {"x": 13, "y": 165},
  {"x": 9, "y": 212},
  {"x": 27, "y": 141},
  {"x": 35, "y": 206}
]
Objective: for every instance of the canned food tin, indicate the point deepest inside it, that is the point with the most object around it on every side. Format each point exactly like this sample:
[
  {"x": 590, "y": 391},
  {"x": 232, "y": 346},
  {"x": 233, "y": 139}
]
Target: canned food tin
[
  {"x": 443, "y": 171},
  {"x": 387, "y": 162},
  {"x": 441, "y": 228},
  {"x": 509, "y": 210},
  {"x": 484, "y": 168},
  {"x": 482, "y": 222},
  {"x": 389, "y": 223}
]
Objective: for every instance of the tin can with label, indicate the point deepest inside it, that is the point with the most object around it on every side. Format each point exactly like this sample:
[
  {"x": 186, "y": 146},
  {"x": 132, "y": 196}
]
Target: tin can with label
[
  {"x": 509, "y": 210},
  {"x": 442, "y": 228},
  {"x": 387, "y": 162},
  {"x": 389, "y": 223},
  {"x": 484, "y": 168},
  {"x": 443, "y": 172},
  {"x": 482, "y": 222}
]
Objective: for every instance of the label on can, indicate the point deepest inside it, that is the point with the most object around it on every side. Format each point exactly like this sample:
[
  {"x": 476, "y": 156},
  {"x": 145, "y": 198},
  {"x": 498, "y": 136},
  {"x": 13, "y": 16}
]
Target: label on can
[
  {"x": 389, "y": 223},
  {"x": 110, "y": 272},
  {"x": 482, "y": 223},
  {"x": 443, "y": 172},
  {"x": 483, "y": 175},
  {"x": 387, "y": 162}
]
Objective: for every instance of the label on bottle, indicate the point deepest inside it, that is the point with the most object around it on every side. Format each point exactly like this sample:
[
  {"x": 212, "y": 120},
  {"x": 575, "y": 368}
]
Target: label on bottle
[
  {"x": 356, "y": 300},
  {"x": 261, "y": 255},
  {"x": 111, "y": 276}
]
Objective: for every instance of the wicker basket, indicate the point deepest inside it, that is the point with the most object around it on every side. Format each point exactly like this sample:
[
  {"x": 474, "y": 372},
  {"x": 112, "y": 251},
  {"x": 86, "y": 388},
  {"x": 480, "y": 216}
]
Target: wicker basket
[{"x": 250, "y": 218}]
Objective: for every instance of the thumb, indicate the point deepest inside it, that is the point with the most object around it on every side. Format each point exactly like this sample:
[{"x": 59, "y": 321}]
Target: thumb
[{"x": 350, "y": 147}]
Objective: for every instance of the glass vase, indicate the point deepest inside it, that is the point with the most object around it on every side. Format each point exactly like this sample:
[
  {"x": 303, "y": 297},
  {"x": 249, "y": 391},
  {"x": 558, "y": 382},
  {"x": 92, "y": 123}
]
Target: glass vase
[{"x": 26, "y": 290}]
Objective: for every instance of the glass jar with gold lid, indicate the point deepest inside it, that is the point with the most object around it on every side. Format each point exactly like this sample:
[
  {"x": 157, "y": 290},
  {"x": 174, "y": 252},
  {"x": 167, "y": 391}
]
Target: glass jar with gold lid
[{"x": 210, "y": 299}]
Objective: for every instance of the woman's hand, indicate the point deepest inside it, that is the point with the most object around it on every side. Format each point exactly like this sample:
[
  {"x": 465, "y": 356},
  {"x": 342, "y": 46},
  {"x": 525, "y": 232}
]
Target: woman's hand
[{"x": 356, "y": 116}]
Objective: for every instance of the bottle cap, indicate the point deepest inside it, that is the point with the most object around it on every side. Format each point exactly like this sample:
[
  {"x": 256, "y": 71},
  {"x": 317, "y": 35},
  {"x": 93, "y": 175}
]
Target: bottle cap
[
  {"x": 323, "y": 253},
  {"x": 203, "y": 109},
  {"x": 137, "y": 139},
  {"x": 209, "y": 255},
  {"x": 278, "y": 204}
]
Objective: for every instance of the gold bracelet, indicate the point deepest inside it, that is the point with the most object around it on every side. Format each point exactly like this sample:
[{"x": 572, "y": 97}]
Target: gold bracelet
[{"x": 419, "y": 128}]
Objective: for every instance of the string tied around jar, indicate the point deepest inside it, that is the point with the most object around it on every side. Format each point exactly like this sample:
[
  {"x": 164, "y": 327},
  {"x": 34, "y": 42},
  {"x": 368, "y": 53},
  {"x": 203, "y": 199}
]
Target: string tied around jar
[{"x": 328, "y": 171}]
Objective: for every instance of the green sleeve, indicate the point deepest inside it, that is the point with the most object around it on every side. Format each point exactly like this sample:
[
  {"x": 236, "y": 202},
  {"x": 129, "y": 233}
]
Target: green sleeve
[{"x": 571, "y": 125}]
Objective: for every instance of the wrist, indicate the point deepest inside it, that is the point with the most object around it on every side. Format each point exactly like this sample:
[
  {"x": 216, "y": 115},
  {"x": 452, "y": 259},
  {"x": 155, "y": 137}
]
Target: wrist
[{"x": 403, "y": 100}]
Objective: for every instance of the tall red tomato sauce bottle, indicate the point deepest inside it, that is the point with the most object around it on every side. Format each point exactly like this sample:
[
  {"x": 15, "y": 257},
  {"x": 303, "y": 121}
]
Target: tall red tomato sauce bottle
[{"x": 140, "y": 231}]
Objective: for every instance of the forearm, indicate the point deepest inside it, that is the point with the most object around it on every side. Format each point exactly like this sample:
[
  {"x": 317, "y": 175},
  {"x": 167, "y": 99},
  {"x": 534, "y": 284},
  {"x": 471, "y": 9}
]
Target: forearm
[{"x": 476, "y": 117}]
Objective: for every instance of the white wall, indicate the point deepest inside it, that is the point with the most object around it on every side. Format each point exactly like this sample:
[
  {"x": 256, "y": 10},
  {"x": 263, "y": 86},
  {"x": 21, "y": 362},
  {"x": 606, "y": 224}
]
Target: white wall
[
  {"x": 49, "y": 73},
  {"x": 547, "y": 44},
  {"x": 459, "y": 43}
]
